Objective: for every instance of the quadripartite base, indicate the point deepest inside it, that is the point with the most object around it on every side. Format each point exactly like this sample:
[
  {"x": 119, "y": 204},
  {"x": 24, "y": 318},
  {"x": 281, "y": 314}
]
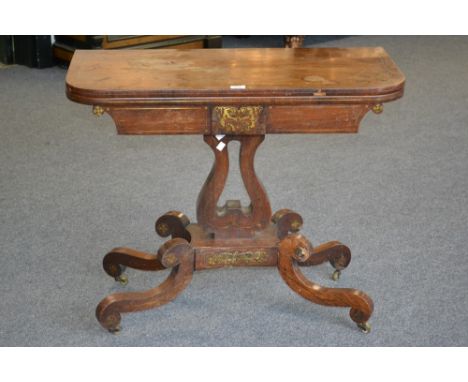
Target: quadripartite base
[{"x": 191, "y": 249}]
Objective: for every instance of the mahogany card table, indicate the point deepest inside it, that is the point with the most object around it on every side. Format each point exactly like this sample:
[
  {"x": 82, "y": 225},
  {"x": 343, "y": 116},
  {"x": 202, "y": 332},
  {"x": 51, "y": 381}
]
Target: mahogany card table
[{"x": 230, "y": 95}]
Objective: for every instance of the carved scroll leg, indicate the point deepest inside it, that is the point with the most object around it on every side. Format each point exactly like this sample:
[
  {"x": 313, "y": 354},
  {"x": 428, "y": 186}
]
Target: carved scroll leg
[
  {"x": 173, "y": 223},
  {"x": 296, "y": 248},
  {"x": 115, "y": 262},
  {"x": 286, "y": 221},
  {"x": 335, "y": 252},
  {"x": 176, "y": 254}
]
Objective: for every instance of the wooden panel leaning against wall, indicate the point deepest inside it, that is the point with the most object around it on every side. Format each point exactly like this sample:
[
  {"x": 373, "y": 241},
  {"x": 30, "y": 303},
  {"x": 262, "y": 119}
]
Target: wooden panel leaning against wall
[{"x": 64, "y": 46}]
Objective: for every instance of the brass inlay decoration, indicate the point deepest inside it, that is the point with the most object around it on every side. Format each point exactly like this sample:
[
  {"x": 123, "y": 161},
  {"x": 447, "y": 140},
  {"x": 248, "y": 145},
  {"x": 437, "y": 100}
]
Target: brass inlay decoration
[
  {"x": 98, "y": 110},
  {"x": 238, "y": 119},
  {"x": 162, "y": 229},
  {"x": 301, "y": 254},
  {"x": 378, "y": 108},
  {"x": 238, "y": 258},
  {"x": 295, "y": 225},
  {"x": 170, "y": 260}
]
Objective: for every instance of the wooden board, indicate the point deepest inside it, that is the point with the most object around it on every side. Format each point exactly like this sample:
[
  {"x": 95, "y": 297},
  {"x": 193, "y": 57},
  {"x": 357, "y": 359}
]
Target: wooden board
[{"x": 100, "y": 75}]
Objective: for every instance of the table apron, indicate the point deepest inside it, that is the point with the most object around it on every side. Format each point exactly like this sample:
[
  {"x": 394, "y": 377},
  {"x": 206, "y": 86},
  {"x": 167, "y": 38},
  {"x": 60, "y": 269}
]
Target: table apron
[{"x": 238, "y": 120}]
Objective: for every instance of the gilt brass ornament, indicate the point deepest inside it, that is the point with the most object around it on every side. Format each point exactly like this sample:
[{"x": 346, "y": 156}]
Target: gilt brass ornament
[
  {"x": 98, "y": 110},
  {"x": 237, "y": 258},
  {"x": 238, "y": 119},
  {"x": 377, "y": 108}
]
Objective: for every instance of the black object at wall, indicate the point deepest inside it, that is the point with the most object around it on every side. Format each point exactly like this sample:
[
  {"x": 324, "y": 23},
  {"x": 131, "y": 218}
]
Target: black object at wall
[
  {"x": 6, "y": 50},
  {"x": 33, "y": 51}
]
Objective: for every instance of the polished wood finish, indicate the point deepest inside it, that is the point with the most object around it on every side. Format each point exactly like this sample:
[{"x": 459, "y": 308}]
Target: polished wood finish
[
  {"x": 315, "y": 119},
  {"x": 176, "y": 254},
  {"x": 278, "y": 91},
  {"x": 175, "y": 224},
  {"x": 296, "y": 248},
  {"x": 232, "y": 219},
  {"x": 214, "y": 252},
  {"x": 160, "y": 120},
  {"x": 152, "y": 76},
  {"x": 331, "y": 89},
  {"x": 275, "y": 120},
  {"x": 338, "y": 254},
  {"x": 286, "y": 221},
  {"x": 115, "y": 262}
]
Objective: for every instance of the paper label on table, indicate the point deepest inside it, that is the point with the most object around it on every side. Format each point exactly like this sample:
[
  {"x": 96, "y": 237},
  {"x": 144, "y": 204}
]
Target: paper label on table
[
  {"x": 234, "y": 87},
  {"x": 220, "y": 136},
  {"x": 220, "y": 146}
]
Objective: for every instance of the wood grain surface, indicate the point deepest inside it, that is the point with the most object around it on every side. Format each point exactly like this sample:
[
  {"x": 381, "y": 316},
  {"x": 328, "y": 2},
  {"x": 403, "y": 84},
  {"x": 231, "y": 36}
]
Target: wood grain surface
[
  {"x": 99, "y": 75},
  {"x": 235, "y": 91}
]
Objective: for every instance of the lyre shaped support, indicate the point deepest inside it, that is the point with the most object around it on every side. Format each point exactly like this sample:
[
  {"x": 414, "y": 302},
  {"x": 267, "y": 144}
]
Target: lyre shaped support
[{"x": 232, "y": 220}]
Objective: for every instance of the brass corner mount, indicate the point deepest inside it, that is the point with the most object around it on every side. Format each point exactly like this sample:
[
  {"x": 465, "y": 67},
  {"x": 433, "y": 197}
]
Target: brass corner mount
[
  {"x": 377, "y": 108},
  {"x": 98, "y": 110}
]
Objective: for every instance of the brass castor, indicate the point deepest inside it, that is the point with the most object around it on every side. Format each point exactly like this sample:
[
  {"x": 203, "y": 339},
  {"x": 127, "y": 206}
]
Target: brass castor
[
  {"x": 115, "y": 330},
  {"x": 122, "y": 279},
  {"x": 365, "y": 327},
  {"x": 336, "y": 275}
]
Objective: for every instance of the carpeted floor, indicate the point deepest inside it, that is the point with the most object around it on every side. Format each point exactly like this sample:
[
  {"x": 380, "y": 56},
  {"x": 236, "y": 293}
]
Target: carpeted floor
[{"x": 396, "y": 193}]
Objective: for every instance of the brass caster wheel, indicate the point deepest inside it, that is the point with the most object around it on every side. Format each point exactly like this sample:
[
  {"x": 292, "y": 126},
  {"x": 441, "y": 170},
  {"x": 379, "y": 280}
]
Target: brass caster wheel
[
  {"x": 365, "y": 327},
  {"x": 336, "y": 275},
  {"x": 122, "y": 279},
  {"x": 115, "y": 330}
]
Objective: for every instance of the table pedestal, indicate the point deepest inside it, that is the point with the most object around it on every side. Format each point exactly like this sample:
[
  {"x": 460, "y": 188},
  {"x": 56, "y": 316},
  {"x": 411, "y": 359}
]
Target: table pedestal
[{"x": 229, "y": 236}]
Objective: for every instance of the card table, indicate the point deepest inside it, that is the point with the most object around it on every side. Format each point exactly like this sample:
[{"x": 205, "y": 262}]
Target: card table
[{"x": 230, "y": 95}]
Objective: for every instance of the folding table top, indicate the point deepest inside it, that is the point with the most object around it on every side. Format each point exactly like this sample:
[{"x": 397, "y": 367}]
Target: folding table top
[{"x": 98, "y": 76}]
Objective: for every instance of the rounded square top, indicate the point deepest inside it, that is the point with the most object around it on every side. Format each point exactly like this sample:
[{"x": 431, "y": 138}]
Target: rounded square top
[{"x": 95, "y": 76}]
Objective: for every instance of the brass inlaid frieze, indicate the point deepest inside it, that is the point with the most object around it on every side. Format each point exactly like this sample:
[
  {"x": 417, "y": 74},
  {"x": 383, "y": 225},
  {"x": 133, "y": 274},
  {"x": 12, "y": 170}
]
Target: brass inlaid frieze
[
  {"x": 237, "y": 258},
  {"x": 238, "y": 119}
]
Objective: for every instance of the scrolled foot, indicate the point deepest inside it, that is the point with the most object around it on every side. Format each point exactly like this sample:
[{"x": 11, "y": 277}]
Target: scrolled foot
[
  {"x": 176, "y": 254},
  {"x": 110, "y": 319},
  {"x": 338, "y": 254},
  {"x": 286, "y": 221},
  {"x": 115, "y": 262},
  {"x": 173, "y": 223},
  {"x": 360, "y": 303}
]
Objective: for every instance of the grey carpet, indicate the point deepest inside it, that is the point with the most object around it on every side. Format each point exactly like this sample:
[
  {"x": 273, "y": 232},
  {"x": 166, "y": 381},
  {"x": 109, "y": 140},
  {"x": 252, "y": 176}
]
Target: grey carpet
[{"x": 396, "y": 193}]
